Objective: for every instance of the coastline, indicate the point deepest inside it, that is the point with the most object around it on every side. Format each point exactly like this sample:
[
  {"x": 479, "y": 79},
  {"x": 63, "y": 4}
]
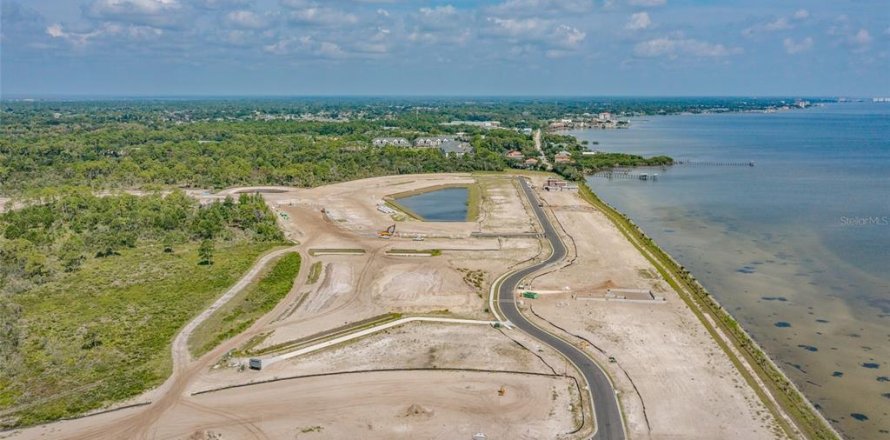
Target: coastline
[{"x": 769, "y": 381}]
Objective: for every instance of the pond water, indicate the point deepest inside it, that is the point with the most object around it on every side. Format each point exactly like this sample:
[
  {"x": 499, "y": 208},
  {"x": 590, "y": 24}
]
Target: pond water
[{"x": 443, "y": 205}]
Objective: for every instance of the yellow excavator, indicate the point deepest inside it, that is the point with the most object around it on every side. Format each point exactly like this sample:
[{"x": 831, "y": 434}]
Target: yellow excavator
[{"x": 388, "y": 232}]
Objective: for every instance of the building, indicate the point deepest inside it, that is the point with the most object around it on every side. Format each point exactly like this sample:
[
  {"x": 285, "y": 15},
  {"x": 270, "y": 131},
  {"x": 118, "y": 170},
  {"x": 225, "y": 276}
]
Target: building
[
  {"x": 563, "y": 157},
  {"x": 433, "y": 141},
  {"x": 554, "y": 184},
  {"x": 394, "y": 141},
  {"x": 604, "y": 116},
  {"x": 454, "y": 148},
  {"x": 515, "y": 154},
  {"x": 530, "y": 162}
]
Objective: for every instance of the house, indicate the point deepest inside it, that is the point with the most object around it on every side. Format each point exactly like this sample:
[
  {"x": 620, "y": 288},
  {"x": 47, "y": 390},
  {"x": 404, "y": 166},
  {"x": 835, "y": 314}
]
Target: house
[
  {"x": 530, "y": 162},
  {"x": 563, "y": 157},
  {"x": 394, "y": 141},
  {"x": 433, "y": 141},
  {"x": 604, "y": 116},
  {"x": 514, "y": 154},
  {"x": 454, "y": 148}
]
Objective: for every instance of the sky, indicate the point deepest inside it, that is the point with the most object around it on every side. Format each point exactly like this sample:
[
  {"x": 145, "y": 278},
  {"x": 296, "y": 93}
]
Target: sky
[{"x": 459, "y": 47}]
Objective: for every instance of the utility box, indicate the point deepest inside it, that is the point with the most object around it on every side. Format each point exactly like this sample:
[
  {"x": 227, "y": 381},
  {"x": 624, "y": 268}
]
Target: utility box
[
  {"x": 256, "y": 364},
  {"x": 530, "y": 295}
]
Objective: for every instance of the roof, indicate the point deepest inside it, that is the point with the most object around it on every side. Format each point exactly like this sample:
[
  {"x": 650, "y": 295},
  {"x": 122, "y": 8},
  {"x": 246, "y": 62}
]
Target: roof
[{"x": 452, "y": 146}]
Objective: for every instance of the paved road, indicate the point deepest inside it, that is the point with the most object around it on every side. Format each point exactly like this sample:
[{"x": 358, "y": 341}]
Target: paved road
[{"x": 605, "y": 405}]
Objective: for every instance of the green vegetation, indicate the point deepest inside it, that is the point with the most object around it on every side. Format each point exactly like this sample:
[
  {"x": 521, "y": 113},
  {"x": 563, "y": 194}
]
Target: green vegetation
[
  {"x": 474, "y": 201},
  {"x": 241, "y": 311},
  {"x": 583, "y": 164},
  {"x": 314, "y": 272},
  {"x": 323, "y": 336},
  {"x": 336, "y": 251},
  {"x": 701, "y": 302},
  {"x": 430, "y": 252},
  {"x": 93, "y": 289},
  {"x": 216, "y": 144},
  {"x": 103, "y": 333}
]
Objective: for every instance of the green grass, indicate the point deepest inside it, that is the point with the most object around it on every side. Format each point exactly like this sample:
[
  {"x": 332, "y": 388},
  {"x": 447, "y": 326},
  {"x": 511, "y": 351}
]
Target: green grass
[
  {"x": 430, "y": 252},
  {"x": 701, "y": 302},
  {"x": 334, "y": 251},
  {"x": 474, "y": 201},
  {"x": 247, "y": 306},
  {"x": 314, "y": 273},
  {"x": 103, "y": 334}
]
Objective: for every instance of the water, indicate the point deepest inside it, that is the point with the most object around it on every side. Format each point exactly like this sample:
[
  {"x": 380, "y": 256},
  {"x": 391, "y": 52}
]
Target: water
[
  {"x": 443, "y": 205},
  {"x": 797, "y": 247}
]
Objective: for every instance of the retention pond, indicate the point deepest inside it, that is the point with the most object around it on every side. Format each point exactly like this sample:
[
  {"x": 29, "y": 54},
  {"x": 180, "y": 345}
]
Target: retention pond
[{"x": 441, "y": 205}]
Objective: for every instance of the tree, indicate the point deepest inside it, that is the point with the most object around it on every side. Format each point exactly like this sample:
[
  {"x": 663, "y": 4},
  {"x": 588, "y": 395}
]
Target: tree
[{"x": 205, "y": 252}]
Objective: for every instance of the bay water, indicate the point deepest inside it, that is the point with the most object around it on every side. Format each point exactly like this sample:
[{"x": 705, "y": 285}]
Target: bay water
[{"x": 796, "y": 247}]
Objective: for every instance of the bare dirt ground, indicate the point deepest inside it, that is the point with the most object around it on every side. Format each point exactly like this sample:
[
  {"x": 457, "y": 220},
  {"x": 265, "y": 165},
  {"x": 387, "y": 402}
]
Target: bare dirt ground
[
  {"x": 666, "y": 360},
  {"x": 673, "y": 380}
]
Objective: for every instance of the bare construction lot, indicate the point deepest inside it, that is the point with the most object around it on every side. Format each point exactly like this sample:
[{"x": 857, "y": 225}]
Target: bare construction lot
[{"x": 445, "y": 379}]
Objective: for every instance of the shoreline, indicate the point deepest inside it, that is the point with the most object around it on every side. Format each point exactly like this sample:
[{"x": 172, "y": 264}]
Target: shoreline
[{"x": 776, "y": 389}]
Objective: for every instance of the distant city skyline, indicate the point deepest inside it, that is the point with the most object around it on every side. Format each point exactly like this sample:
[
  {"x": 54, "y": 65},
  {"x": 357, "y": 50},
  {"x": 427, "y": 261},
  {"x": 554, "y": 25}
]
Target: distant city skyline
[{"x": 439, "y": 48}]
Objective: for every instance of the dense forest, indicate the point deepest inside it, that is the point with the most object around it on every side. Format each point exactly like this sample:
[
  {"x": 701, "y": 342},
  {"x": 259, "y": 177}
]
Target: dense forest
[{"x": 300, "y": 142}]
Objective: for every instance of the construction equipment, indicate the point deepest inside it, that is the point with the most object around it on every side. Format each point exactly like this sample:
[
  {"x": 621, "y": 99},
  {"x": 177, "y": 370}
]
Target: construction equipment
[
  {"x": 388, "y": 232},
  {"x": 502, "y": 391}
]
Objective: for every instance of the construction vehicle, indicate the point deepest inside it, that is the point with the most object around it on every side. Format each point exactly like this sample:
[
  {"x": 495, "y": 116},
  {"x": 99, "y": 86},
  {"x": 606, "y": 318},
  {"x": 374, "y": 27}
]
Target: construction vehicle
[
  {"x": 502, "y": 391},
  {"x": 388, "y": 232}
]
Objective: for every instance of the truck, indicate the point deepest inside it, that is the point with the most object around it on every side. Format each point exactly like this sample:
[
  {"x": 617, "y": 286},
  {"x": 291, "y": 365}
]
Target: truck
[
  {"x": 255, "y": 364},
  {"x": 530, "y": 295}
]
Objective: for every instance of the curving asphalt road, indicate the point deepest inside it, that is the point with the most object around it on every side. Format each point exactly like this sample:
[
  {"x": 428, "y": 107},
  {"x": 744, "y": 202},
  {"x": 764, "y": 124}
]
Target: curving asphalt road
[{"x": 609, "y": 424}]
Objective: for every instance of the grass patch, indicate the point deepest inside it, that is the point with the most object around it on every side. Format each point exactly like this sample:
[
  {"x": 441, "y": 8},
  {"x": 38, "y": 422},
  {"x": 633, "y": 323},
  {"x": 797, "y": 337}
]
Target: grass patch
[
  {"x": 103, "y": 334},
  {"x": 251, "y": 303},
  {"x": 474, "y": 201},
  {"x": 430, "y": 252},
  {"x": 405, "y": 211},
  {"x": 314, "y": 273},
  {"x": 325, "y": 335},
  {"x": 336, "y": 251},
  {"x": 701, "y": 302}
]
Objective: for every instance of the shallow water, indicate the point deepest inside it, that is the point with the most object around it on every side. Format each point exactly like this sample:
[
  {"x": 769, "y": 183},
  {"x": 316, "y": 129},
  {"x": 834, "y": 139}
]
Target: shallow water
[
  {"x": 796, "y": 247},
  {"x": 443, "y": 205}
]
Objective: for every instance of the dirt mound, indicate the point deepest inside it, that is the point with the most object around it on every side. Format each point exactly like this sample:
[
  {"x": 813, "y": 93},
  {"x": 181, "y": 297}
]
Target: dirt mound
[
  {"x": 608, "y": 284},
  {"x": 418, "y": 410}
]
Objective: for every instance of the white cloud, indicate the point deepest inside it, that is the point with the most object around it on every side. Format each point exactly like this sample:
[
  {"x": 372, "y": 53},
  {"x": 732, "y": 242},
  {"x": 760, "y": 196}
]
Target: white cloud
[
  {"x": 801, "y": 14},
  {"x": 647, "y": 2},
  {"x": 861, "y": 38},
  {"x": 676, "y": 47},
  {"x": 638, "y": 21},
  {"x": 541, "y": 7},
  {"x": 158, "y": 13},
  {"x": 779, "y": 24},
  {"x": 81, "y": 39},
  {"x": 245, "y": 19},
  {"x": 568, "y": 37},
  {"x": 516, "y": 27},
  {"x": 792, "y": 47},
  {"x": 318, "y": 16}
]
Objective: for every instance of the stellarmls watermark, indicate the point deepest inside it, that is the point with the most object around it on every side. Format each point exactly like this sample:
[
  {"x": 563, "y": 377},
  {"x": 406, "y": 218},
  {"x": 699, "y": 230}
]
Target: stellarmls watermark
[{"x": 865, "y": 221}]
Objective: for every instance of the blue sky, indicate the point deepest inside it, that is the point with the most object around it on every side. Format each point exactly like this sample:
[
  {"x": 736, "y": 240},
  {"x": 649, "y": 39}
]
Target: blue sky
[{"x": 461, "y": 47}]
